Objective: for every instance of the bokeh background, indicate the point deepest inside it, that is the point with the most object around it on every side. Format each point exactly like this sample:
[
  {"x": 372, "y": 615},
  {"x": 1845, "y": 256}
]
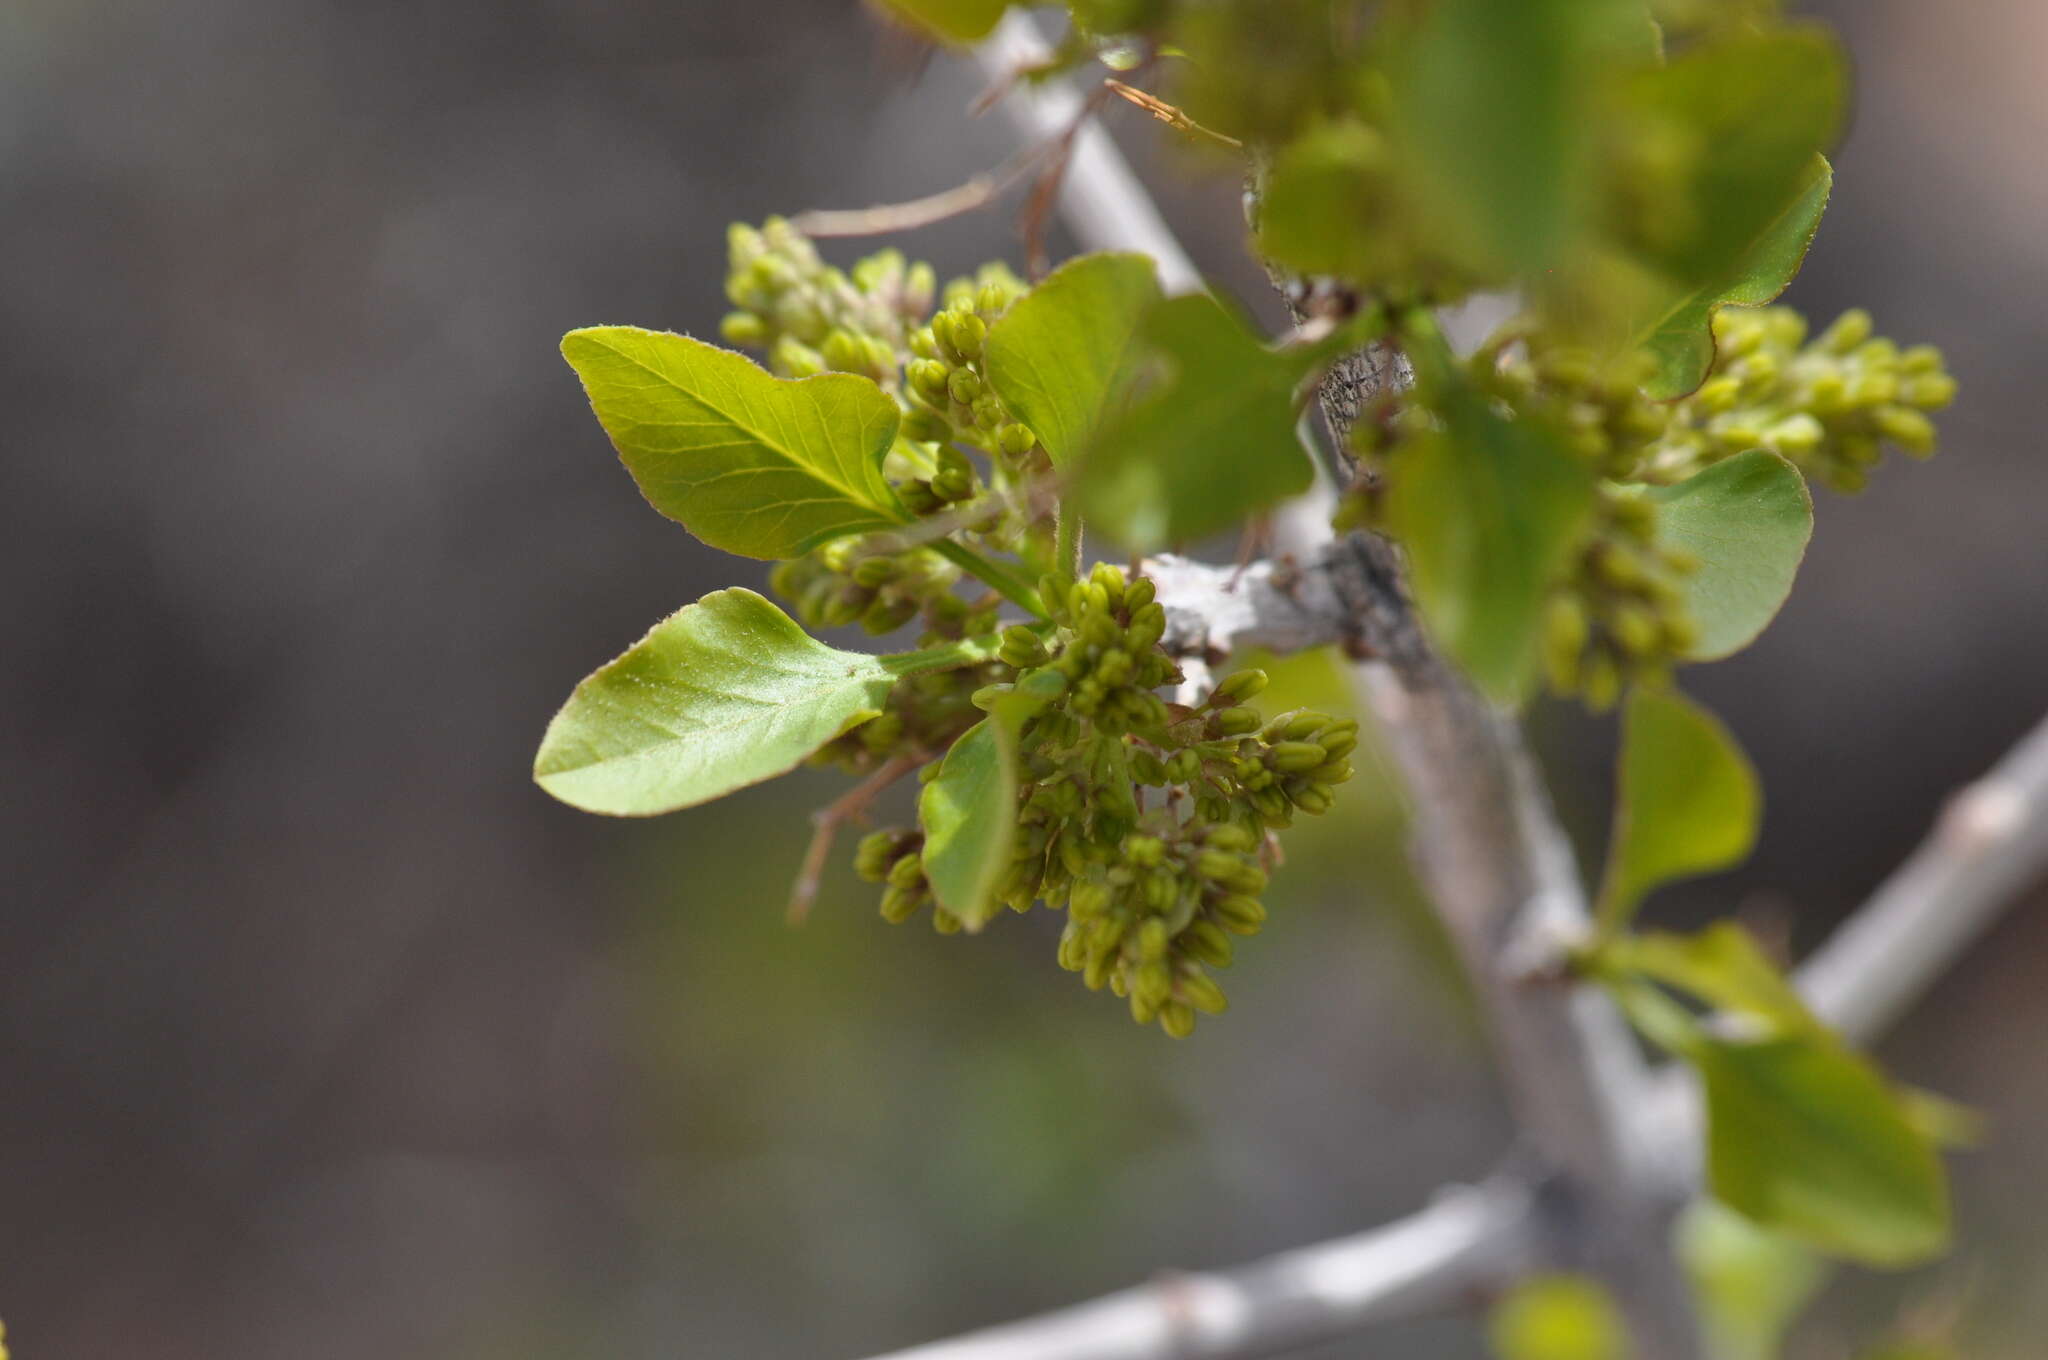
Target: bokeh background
[{"x": 323, "y": 1033}]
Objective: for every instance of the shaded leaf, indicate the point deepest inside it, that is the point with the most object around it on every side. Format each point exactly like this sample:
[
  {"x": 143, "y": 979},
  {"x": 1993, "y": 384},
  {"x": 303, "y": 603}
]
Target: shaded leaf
[
  {"x": 1492, "y": 119},
  {"x": 1749, "y": 1284},
  {"x": 1805, "y": 1138},
  {"x": 1754, "y": 109},
  {"x": 1680, "y": 338},
  {"x": 1747, "y": 521},
  {"x": 1064, "y": 356},
  {"x": 1755, "y": 112},
  {"x": 948, "y": 21},
  {"x": 1211, "y": 442},
  {"x": 753, "y": 464},
  {"x": 1489, "y": 511},
  {"x": 1687, "y": 800},
  {"x": 1326, "y": 203},
  {"x": 724, "y": 693}
]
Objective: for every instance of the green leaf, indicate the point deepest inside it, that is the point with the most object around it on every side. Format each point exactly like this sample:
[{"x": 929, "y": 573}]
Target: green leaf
[
  {"x": 756, "y": 465},
  {"x": 949, "y": 21},
  {"x": 1064, "y": 356},
  {"x": 724, "y": 693},
  {"x": 1493, "y": 124},
  {"x": 1687, "y": 801},
  {"x": 1681, "y": 337},
  {"x": 969, "y": 809},
  {"x": 1558, "y": 1317},
  {"x": 1489, "y": 511},
  {"x": 1212, "y": 442},
  {"x": 1756, "y": 111},
  {"x": 1805, "y": 1138},
  {"x": 1750, "y": 1284},
  {"x": 969, "y": 815},
  {"x": 1747, "y": 521},
  {"x": 1326, "y": 206},
  {"x": 1723, "y": 966}
]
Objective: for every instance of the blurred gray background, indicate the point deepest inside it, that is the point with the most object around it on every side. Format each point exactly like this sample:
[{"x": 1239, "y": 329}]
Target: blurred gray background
[{"x": 323, "y": 1033}]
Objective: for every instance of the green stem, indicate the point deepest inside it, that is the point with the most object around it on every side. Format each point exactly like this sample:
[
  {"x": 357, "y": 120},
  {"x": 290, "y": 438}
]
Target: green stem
[
  {"x": 999, "y": 578},
  {"x": 951, "y": 656}
]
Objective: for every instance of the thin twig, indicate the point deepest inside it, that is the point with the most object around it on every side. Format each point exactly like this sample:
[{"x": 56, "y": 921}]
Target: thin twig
[
  {"x": 1101, "y": 201},
  {"x": 826, "y": 821},
  {"x": 1467, "y": 1243},
  {"x": 1991, "y": 841},
  {"x": 887, "y": 218},
  {"x": 1038, "y": 205}
]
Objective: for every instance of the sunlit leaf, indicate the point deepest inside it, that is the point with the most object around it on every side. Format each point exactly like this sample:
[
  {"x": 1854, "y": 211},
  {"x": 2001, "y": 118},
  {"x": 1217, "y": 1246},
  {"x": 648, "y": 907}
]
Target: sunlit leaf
[
  {"x": 724, "y": 693},
  {"x": 756, "y": 465},
  {"x": 1489, "y": 511},
  {"x": 1209, "y": 443},
  {"x": 1746, "y": 521},
  {"x": 1064, "y": 356},
  {"x": 1687, "y": 800}
]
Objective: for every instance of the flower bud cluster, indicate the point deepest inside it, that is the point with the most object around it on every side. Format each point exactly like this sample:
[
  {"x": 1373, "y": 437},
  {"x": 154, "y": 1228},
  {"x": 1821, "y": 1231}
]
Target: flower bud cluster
[
  {"x": 809, "y": 317},
  {"x": 839, "y": 584},
  {"x": 1148, "y": 822},
  {"x": 1619, "y": 614},
  {"x": 945, "y": 382},
  {"x": 1828, "y": 405}
]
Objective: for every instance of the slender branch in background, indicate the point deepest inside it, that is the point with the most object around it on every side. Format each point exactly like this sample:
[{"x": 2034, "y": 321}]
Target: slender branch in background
[
  {"x": 1990, "y": 844},
  {"x": 1466, "y": 1244}
]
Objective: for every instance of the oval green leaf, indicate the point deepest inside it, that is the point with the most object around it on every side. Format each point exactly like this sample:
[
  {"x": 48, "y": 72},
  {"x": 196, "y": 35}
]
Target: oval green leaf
[
  {"x": 1687, "y": 800},
  {"x": 1064, "y": 356},
  {"x": 724, "y": 693},
  {"x": 1747, "y": 521},
  {"x": 753, "y": 464},
  {"x": 1489, "y": 511},
  {"x": 1212, "y": 442},
  {"x": 969, "y": 815},
  {"x": 1804, "y": 1137}
]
